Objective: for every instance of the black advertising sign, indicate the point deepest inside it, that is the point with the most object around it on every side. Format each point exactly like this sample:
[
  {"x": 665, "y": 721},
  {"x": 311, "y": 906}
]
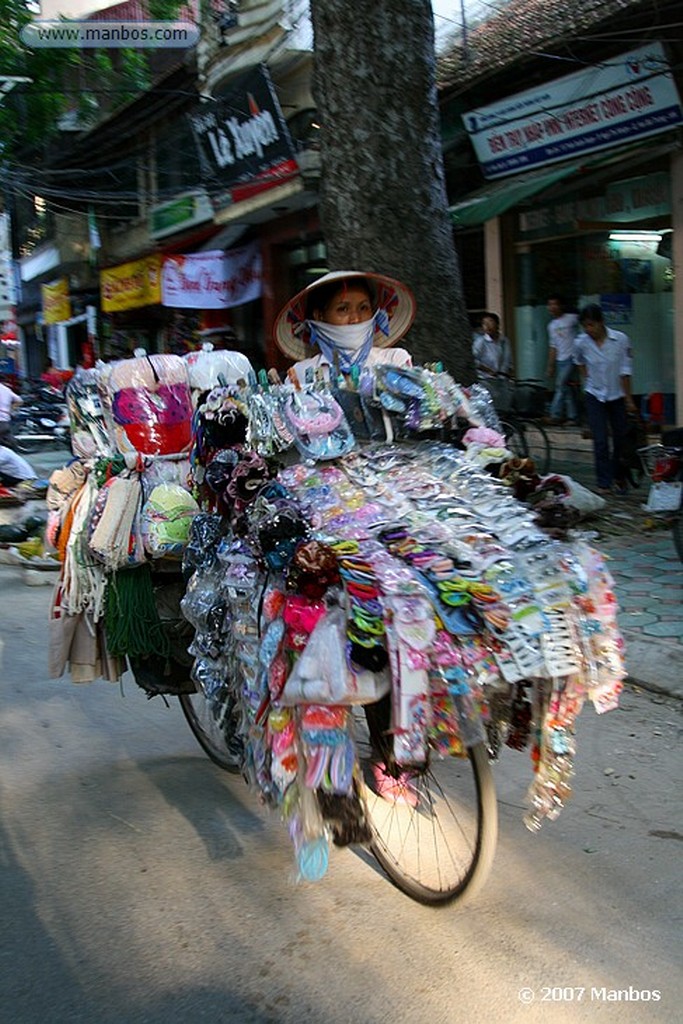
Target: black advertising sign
[{"x": 243, "y": 140}]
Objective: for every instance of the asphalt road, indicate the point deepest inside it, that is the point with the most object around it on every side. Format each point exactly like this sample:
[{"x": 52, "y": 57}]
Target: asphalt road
[{"x": 142, "y": 885}]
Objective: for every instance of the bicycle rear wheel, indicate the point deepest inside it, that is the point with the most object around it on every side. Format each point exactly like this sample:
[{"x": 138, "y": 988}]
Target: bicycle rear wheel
[
  {"x": 213, "y": 725},
  {"x": 442, "y": 849},
  {"x": 514, "y": 438},
  {"x": 537, "y": 445}
]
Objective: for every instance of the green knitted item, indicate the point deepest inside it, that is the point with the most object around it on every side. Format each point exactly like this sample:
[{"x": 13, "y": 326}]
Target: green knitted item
[
  {"x": 131, "y": 620},
  {"x": 106, "y": 468}
]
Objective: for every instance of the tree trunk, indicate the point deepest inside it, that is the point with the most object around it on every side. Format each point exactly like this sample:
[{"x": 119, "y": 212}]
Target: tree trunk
[{"x": 383, "y": 203}]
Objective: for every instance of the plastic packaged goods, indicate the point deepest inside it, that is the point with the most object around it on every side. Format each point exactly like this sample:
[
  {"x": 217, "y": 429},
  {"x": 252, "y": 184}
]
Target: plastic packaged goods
[
  {"x": 402, "y": 575},
  {"x": 90, "y": 435},
  {"x": 166, "y": 520},
  {"x": 317, "y": 424},
  {"x": 151, "y": 405},
  {"x": 207, "y": 368}
]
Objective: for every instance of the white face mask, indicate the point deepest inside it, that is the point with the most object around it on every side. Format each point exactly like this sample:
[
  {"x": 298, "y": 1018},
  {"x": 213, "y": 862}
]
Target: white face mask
[{"x": 348, "y": 337}]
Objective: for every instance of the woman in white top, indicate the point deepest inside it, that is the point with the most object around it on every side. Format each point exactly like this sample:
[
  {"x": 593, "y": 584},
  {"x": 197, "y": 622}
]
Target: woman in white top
[
  {"x": 604, "y": 356},
  {"x": 344, "y": 321},
  {"x": 352, "y": 318}
]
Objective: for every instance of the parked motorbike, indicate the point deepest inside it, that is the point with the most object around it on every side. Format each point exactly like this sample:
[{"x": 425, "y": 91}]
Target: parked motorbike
[
  {"x": 663, "y": 463},
  {"x": 42, "y": 421}
]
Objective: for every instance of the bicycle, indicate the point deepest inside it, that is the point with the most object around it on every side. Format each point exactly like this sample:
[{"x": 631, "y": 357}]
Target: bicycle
[
  {"x": 437, "y": 852},
  {"x": 520, "y": 406}
]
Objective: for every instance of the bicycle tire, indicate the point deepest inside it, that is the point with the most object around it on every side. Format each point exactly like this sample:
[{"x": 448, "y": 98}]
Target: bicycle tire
[
  {"x": 441, "y": 851},
  {"x": 537, "y": 445},
  {"x": 209, "y": 722},
  {"x": 514, "y": 438},
  {"x": 678, "y": 534}
]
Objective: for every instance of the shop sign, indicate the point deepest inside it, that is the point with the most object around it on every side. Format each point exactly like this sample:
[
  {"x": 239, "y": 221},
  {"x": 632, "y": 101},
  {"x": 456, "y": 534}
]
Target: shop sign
[
  {"x": 131, "y": 285},
  {"x": 180, "y": 213},
  {"x": 622, "y": 202},
  {"x": 627, "y": 98},
  {"x": 56, "y": 301},
  {"x": 9, "y": 328},
  {"x": 212, "y": 280},
  {"x": 243, "y": 140}
]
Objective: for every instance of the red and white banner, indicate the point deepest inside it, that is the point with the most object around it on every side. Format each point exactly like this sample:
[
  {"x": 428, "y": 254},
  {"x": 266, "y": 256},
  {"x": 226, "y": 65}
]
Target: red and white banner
[{"x": 212, "y": 280}]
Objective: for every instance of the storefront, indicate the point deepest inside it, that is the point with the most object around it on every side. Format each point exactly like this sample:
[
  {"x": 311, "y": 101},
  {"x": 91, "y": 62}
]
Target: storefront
[
  {"x": 130, "y": 300},
  {"x": 600, "y": 227}
]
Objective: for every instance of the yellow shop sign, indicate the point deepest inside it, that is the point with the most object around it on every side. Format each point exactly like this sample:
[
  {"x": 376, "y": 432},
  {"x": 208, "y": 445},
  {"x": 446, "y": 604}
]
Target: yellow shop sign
[
  {"x": 131, "y": 284},
  {"x": 56, "y": 301}
]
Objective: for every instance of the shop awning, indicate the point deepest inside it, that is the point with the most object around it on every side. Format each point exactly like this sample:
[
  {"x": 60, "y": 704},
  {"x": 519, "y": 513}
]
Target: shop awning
[{"x": 494, "y": 199}]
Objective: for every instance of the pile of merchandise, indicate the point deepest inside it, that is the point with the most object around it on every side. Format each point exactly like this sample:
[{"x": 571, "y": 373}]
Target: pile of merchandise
[
  {"x": 119, "y": 517},
  {"x": 337, "y": 552}
]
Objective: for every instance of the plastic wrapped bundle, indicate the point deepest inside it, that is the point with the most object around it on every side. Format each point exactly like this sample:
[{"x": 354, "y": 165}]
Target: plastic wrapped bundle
[
  {"x": 151, "y": 405},
  {"x": 166, "y": 520},
  {"x": 208, "y": 368},
  {"x": 89, "y": 434}
]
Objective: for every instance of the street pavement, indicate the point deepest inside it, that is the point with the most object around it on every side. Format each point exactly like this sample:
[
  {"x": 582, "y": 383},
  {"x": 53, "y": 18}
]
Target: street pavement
[{"x": 142, "y": 885}]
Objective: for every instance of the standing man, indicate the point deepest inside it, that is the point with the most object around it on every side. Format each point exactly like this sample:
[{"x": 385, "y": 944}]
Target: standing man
[
  {"x": 8, "y": 399},
  {"x": 604, "y": 356},
  {"x": 562, "y": 330},
  {"x": 492, "y": 351}
]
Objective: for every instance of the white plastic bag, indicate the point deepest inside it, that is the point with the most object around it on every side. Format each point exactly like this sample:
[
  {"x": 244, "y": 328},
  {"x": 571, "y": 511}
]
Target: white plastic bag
[
  {"x": 665, "y": 496},
  {"x": 322, "y": 676},
  {"x": 206, "y": 367},
  {"x": 578, "y": 496}
]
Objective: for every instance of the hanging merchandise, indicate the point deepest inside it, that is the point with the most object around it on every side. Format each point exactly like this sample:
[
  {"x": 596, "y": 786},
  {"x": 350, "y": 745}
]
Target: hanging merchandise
[
  {"x": 115, "y": 518},
  {"x": 345, "y": 576},
  {"x": 209, "y": 368},
  {"x": 404, "y": 577},
  {"x": 317, "y": 424},
  {"x": 151, "y": 404},
  {"x": 166, "y": 519},
  {"x": 90, "y": 435}
]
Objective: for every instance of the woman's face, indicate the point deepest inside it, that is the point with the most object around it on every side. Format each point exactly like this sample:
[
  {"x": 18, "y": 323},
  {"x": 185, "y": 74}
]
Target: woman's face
[{"x": 350, "y": 305}]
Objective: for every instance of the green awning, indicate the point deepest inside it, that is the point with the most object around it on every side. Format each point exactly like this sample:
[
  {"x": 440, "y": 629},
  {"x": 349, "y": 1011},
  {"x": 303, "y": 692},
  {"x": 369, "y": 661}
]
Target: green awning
[{"x": 497, "y": 197}]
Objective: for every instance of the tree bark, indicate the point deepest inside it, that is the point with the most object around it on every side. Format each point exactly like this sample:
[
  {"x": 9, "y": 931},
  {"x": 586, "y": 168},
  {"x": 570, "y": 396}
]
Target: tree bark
[{"x": 383, "y": 203}]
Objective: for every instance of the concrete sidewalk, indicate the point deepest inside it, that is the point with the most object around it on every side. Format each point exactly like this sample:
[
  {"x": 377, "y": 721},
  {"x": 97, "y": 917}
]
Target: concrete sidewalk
[{"x": 647, "y": 574}]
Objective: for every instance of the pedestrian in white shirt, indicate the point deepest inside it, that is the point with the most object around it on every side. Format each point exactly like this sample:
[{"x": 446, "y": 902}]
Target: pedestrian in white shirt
[
  {"x": 492, "y": 351},
  {"x": 562, "y": 330},
  {"x": 14, "y": 469},
  {"x": 8, "y": 399},
  {"x": 604, "y": 357}
]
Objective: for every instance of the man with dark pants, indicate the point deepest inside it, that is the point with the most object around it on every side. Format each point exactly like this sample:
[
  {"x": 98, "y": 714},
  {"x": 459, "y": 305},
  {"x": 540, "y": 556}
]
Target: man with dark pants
[{"x": 604, "y": 357}]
